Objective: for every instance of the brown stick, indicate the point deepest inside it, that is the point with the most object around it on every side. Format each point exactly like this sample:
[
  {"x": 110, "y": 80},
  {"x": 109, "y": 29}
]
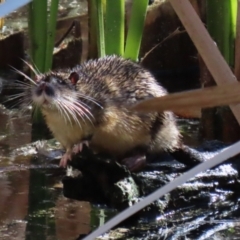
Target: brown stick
[
  {"x": 211, "y": 55},
  {"x": 201, "y": 98}
]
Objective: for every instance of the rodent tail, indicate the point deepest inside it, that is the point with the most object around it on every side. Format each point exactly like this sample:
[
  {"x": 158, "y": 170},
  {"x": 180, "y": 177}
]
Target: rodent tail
[{"x": 187, "y": 156}]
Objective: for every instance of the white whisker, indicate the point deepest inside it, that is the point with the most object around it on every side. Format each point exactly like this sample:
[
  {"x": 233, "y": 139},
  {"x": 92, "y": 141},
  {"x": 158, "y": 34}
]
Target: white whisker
[
  {"x": 85, "y": 111},
  {"x": 15, "y": 96},
  {"x": 35, "y": 67},
  {"x": 63, "y": 111},
  {"x": 90, "y": 99},
  {"x": 31, "y": 67},
  {"x": 20, "y": 83},
  {"x": 73, "y": 109},
  {"x": 24, "y": 75}
]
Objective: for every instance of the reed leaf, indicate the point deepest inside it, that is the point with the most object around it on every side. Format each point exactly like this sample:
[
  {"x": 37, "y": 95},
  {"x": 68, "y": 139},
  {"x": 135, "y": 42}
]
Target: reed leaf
[
  {"x": 233, "y": 29},
  {"x": 100, "y": 4},
  {"x": 221, "y": 24},
  {"x": 114, "y": 27},
  {"x": 135, "y": 30},
  {"x": 51, "y": 30},
  {"x": 92, "y": 26},
  {"x": 38, "y": 31}
]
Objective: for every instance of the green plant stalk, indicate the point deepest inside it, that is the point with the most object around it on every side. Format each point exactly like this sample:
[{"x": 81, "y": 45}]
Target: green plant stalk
[
  {"x": 218, "y": 24},
  {"x": 221, "y": 24},
  {"x": 114, "y": 27},
  {"x": 92, "y": 26},
  {"x": 135, "y": 30},
  {"x": 100, "y": 27},
  {"x": 38, "y": 30},
  {"x": 37, "y": 21},
  {"x": 30, "y": 28},
  {"x": 233, "y": 30},
  {"x": 51, "y": 30}
]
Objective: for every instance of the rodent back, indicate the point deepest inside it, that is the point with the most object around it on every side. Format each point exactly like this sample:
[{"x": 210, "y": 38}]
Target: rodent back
[{"x": 116, "y": 79}]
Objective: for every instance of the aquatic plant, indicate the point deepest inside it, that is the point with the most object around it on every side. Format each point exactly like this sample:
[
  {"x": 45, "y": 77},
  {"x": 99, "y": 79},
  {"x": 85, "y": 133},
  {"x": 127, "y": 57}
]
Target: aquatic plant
[
  {"x": 114, "y": 27},
  {"x": 110, "y": 27},
  {"x": 99, "y": 6},
  {"x": 51, "y": 30},
  {"x": 135, "y": 30},
  {"x": 42, "y": 27},
  {"x": 221, "y": 24}
]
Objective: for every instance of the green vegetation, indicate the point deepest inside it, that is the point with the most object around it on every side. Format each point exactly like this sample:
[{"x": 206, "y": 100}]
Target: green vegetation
[
  {"x": 100, "y": 5},
  {"x": 221, "y": 24},
  {"x": 51, "y": 30},
  {"x": 135, "y": 30},
  {"x": 110, "y": 27},
  {"x": 38, "y": 31},
  {"x": 114, "y": 27},
  {"x": 42, "y": 27}
]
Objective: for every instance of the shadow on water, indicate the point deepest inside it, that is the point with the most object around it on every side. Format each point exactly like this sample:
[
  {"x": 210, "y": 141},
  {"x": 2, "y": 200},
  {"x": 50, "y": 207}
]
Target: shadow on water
[{"x": 31, "y": 202}]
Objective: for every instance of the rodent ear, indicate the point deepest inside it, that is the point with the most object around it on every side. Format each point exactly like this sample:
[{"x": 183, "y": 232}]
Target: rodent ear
[{"x": 73, "y": 78}]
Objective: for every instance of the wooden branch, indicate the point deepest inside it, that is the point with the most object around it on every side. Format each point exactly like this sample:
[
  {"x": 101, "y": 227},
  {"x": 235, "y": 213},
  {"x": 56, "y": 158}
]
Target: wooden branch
[
  {"x": 201, "y": 98},
  {"x": 211, "y": 55}
]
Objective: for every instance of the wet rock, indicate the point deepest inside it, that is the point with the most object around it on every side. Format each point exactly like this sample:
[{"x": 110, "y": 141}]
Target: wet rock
[{"x": 187, "y": 211}]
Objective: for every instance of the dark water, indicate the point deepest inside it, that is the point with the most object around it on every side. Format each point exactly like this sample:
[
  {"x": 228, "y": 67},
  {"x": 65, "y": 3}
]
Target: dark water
[{"x": 32, "y": 205}]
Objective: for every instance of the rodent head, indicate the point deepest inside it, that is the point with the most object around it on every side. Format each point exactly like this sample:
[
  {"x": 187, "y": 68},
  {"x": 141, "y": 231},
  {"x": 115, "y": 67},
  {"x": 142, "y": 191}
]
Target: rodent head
[
  {"x": 52, "y": 88},
  {"x": 56, "y": 93}
]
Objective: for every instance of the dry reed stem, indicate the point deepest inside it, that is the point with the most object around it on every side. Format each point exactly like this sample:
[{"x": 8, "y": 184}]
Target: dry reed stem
[
  {"x": 200, "y": 98},
  {"x": 211, "y": 55}
]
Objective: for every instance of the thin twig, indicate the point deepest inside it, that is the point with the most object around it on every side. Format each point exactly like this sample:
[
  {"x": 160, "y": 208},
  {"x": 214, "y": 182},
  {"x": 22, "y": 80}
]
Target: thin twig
[{"x": 173, "y": 34}]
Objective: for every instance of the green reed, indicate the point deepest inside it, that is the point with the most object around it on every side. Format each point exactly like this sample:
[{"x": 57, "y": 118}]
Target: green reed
[
  {"x": 135, "y": 30},
  {"x": 37, "y": 32},
  {"x": 221, "y": 24},
  {"x": 42, "y": 27},
  {"x": 51, "y": 30},
  {"x": 114, "y": 27},
  {"x": 110, "y": 22}
]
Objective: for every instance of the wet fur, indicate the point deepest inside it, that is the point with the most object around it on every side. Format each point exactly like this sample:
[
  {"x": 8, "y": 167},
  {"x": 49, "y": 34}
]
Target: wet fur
[{"x": 114, "y": 83}]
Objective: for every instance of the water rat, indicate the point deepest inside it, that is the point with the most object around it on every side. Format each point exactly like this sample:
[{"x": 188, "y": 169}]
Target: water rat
[{"x": 90, "y": 104}]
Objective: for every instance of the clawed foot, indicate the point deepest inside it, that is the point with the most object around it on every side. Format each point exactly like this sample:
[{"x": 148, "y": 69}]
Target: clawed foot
[
  {"x": 68, "y": 155},
  {"x": 136, "y": 163},
  {"x": 65, "y": 158},
  {"x": 78, "y": 147}
]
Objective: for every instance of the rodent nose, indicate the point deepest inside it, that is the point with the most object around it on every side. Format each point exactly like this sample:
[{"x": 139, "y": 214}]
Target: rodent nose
[{"x": 45, "y": 87}]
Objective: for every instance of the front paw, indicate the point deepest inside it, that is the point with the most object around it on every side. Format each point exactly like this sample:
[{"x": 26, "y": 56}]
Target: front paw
[
  {"x": 65, "y": 158},
  {"x": 78, "y": 147}
]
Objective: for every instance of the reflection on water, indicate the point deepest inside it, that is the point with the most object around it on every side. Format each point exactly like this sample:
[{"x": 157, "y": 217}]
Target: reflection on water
[{"x": 31, "y": 203}]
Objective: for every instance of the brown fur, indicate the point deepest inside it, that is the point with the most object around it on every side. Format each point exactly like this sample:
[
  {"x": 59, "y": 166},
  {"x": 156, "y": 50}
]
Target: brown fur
[{"x": 115, "y": 83}]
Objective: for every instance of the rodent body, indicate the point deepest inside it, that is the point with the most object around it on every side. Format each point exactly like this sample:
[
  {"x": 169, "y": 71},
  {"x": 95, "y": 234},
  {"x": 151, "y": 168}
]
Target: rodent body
[{"x": 91, "y": 102}]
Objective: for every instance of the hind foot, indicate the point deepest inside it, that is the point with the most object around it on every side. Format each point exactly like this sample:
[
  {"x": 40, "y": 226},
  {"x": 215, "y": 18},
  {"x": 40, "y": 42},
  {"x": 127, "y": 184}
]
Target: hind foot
[
  {"x": 136, "y": 163},
  {"x": 78, "y": 147},
  {"x": 65, "y": 158}
]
